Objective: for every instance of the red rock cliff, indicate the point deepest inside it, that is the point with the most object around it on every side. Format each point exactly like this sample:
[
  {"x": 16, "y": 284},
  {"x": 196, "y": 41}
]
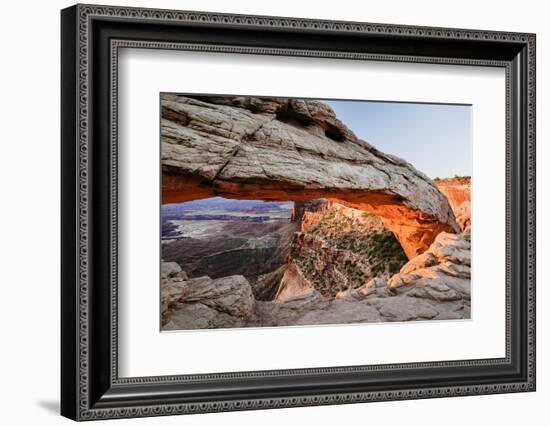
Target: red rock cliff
[{"x": 458, "y": 192}]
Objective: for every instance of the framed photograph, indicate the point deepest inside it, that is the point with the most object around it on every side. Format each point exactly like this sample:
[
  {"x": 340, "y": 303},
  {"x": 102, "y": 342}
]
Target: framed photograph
[{"x": 263, "y": 212}]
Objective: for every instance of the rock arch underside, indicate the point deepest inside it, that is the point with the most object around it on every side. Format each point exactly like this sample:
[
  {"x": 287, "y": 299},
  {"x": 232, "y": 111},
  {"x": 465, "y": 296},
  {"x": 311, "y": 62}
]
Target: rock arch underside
[{"x": 279, "y": 149}]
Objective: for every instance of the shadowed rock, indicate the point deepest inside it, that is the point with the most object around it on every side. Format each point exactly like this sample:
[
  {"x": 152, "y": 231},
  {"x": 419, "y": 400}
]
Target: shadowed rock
[
  {"x": 292, "y": 150},
  {"x": 205, "y": 303},
  {"x": 432, "y": 286}
]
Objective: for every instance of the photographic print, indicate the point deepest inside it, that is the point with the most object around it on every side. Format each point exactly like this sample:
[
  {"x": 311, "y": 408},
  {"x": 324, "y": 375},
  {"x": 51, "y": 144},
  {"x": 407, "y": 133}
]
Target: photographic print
[{"x": 289, "y": 212}]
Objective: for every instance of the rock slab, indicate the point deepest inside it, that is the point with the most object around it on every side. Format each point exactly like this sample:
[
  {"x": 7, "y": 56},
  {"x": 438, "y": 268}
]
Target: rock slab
[{"x": 292, "y": 150}]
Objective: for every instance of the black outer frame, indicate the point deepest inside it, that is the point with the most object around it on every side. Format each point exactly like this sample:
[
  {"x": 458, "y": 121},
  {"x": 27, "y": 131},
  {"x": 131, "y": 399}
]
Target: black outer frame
[{"x": 90, "y": 388}]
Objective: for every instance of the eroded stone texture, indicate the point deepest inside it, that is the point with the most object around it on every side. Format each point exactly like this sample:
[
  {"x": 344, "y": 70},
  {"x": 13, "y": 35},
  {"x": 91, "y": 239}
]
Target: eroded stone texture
[
  {"x": 292, "y": 150},
  {"x": 292, "y": 284},
  {"x": 441, "y": 274},
  {"x": 308, "y": 213},
  {"x": 463, "y": 217},
  {"x": 344, "y": 248},
  {"x": 432, "y": 286},
  {"x": 458, "y": 192},
  {"x": 206, "y": 303}
]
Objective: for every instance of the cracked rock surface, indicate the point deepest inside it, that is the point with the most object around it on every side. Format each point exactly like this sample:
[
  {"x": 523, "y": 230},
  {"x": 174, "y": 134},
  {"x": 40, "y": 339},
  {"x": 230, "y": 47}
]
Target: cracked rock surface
[
  {"x": 293, "y": 150},
  {"x": 431, "y": 286}
]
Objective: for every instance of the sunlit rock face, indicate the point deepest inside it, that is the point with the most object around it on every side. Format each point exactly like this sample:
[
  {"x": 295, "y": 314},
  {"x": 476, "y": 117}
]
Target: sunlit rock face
[
  {"x": 458, "y": 192},
  {"x": 205, "y": 303},
  {"x": 293, "y": 284},
  {"x": 308, "y": 213},
  {"x": 442, "y": 274},
  {"x": 293, "y": 150}
]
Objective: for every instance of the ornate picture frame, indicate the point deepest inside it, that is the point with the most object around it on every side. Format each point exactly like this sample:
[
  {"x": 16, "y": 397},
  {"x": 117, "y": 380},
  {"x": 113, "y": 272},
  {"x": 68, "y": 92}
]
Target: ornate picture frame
[{"x": 91, "y": 37}]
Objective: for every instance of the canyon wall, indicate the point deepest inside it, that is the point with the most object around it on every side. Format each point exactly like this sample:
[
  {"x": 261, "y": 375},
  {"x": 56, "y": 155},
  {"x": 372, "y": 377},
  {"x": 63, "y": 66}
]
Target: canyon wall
[
  {"x": 308, "y": 213},
  {"x": 458, "y": 192},
  {"x": 293, "y": 150},
  {"x": 339, "y": 248},
  {"x": 432, "y": 286}
]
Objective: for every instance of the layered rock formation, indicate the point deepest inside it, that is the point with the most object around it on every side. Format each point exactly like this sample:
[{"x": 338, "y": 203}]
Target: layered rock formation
[
  {"x": 205, "y": 303},
  {"x": 432, "y": 286},
  {"x": 458, "y": 192},
  {"x": 441, "y": 274},
  {"x": 340, "y": 248},
  {"x": 308, "y": 213},
  {"x": 290, "y": 149},
  {"x": 251, "y": 250}
]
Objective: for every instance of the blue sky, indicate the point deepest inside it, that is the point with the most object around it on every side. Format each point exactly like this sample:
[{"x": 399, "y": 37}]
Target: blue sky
[{"x": 434, "y": 138}]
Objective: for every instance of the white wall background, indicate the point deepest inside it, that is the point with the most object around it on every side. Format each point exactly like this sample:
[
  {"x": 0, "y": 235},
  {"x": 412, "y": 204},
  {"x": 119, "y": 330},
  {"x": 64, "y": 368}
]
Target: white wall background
[{"x": 29, "y": 217}]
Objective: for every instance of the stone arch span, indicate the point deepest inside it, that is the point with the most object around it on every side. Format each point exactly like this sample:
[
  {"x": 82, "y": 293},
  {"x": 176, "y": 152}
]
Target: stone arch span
[{"x": 280, "y": 149}]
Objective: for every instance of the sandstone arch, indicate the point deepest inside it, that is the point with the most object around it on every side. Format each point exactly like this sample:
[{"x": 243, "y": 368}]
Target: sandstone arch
[{"x": 292, "y": 150}]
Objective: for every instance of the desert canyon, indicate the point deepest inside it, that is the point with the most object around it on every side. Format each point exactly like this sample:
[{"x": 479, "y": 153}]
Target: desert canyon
[{"x": 335, "y": 231}]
